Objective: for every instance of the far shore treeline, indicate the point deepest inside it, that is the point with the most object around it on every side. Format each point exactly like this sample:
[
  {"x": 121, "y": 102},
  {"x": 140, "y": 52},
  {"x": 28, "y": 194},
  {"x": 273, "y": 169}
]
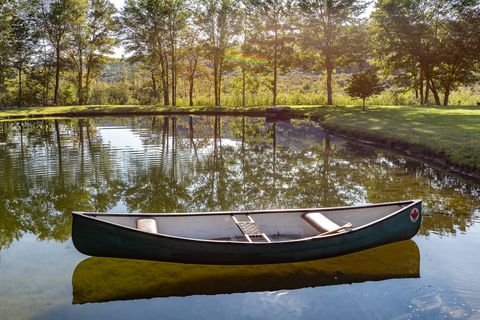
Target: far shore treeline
[{"x": 238, "y": 52}]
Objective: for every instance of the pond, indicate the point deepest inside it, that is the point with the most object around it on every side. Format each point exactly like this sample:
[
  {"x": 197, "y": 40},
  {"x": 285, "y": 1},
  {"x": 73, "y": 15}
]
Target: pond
[{"x": 49, "y": 168}]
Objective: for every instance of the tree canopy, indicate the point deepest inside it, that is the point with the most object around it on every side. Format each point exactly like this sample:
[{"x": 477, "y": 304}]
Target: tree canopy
[{"x": 227, "y": 51}]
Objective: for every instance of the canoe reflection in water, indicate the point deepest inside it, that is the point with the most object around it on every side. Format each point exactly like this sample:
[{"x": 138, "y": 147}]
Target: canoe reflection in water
[{"x": 110, "y": 279}]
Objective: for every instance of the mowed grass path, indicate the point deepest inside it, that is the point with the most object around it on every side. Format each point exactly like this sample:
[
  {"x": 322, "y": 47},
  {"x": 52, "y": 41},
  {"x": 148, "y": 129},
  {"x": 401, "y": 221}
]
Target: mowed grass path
[{"x": 446, "y": 133}]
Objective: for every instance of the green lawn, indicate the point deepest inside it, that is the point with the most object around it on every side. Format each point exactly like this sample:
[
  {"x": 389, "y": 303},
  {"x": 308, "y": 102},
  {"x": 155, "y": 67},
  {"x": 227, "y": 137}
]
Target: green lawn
[
  {"x": 451, "y": 133},
  {"x": 65, "y": 111},
  {"x": 447, "y": 133}
]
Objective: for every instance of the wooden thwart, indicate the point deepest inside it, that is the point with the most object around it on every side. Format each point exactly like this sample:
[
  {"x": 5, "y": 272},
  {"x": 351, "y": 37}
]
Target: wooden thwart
[
  {"x": 250, "y": 229},
  {"x": 323, "y": 224}
]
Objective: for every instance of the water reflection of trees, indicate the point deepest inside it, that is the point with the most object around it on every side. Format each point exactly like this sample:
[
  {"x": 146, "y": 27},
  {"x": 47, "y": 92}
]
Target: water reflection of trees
[{"x": 50, "y": 168}]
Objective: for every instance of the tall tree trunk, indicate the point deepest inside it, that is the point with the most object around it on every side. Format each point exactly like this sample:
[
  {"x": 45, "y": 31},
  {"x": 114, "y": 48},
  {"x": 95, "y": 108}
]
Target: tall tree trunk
[
  {"x": 57, "y": 74},
  {"x": 174, "y": 72},
  {"x": 167, "y": 85},
  {"x": 420, "y": 83},
  {"x": 87, "y": 79},
  {"x": 244, "y": 87},
  {"x": 190, "y": 90},
  {"x": 329, "y": 67},
  {"x": 2, "y": 77},
  {"x": 363, "y": 108},
  {"x": 20, "y": 94},
  {"x": 220, "y": 73},
  {"x": 164, "y": 85},
  {"x": 193, "y": 61},
  {"x": 46, "y": 71},
  {"x": 275, "y": 67},
  {"x": 427, "y": 91},
  {"x": 435, "y": 92},
  {"x": 215, "y": 83},
  {"x": 446, "y": 96},
  {"x": 80, "y": 77},
  {"x": 154, "y": 84}
]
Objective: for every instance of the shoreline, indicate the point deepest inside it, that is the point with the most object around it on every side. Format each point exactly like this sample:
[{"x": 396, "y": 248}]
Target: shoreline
[
  {"x": 335, "y": 120},
  {"x": 402, "y": 148}
]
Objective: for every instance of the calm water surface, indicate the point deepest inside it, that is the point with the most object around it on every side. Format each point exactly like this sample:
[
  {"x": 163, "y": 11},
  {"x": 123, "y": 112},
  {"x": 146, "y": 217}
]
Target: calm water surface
[{"x": 182, "y": 164}]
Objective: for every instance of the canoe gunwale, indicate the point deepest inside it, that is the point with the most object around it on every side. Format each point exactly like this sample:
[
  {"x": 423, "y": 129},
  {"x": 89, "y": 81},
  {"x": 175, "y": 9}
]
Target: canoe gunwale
[
  {"x": 168, "y": 214},
  {"x": 92, "y": 216}
]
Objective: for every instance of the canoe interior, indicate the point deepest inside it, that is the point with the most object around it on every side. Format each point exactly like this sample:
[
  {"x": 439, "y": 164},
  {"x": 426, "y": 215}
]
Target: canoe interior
[{"x": 278, "y": 226}]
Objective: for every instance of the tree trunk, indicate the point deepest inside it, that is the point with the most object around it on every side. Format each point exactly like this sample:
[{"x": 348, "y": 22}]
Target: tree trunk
[
  {"x": 363, "y": 108},
  {"x": 167, "y": 84},
  {"x": 435, "y": 92},
  {"x": 427, "y": 91},
  {"x": 87, "y": 79},
  {"x": 244, "y": 87},
  {"x": 447, "y": 95},
  {"x": 80, "y": 77},
  {"x": 164, "y": 86},
  {"x": 154, "y": 84},
  {"x": 190, "y": 90},
  {"x": 329, "y": 67},
  {"x": 174, "y": 74},
  {"x": 215, "y": 86},
  {"x": 215, "y": 83},
  {"x": 220, "y": 70},
  {"x": 275, "y": 67},
  {"x": 20, "y": 94},
  {"x": 420, "y": 83},
  {"x": 57, "y": 74},
  {"x": 166, "y": 95}
]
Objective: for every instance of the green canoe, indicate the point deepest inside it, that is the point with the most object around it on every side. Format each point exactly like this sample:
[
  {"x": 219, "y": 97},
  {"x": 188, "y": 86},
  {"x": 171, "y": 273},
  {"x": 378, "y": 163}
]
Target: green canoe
[
  {"x": 253, "y": 237},
  {"x": 110, "y": 279}
]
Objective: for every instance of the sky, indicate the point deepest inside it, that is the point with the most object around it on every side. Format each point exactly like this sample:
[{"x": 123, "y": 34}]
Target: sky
[{"x": 118, "y": 3}]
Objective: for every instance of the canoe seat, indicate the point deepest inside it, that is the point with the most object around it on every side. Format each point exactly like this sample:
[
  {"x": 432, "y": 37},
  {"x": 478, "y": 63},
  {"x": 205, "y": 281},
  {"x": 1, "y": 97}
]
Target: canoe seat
[
  {"x": 147, "y": 225},
  {"x": 323, "y": 224}
]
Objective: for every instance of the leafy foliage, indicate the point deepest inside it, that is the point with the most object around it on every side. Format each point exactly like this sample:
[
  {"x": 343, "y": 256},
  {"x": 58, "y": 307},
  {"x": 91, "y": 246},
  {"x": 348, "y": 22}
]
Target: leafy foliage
[
  {"x": 236, "y": 52},
  {"x": 364, "y": 84}
]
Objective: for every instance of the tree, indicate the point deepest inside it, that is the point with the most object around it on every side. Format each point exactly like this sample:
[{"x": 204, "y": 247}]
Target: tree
[
  {"x": 6, "y": 37},
  {"x": 24, "y": 45},
  {"x": 175, "y": 21},
  {"x": 59, "y": 18},
  {"x": 218, "y": 21},
  {"x": 76, "y": 45},
  {"x": 100, "y": 40},
  {"x": 91, "y": 41},
  {"x": 325, "y": 25},
  {"x": 432, "y": 44},
  {"x": 459, "y": 51},
  {"x": 144, "y": 39},
  {"x": 271, "y": 38},
  {"x": 363, "y": 85},
  {"x": 191, "y": 51},
  {"x": 152, "y": 29}
]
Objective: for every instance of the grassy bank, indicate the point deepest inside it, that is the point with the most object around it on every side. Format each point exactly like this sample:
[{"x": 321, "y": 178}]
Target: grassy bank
[{"x": 447, "y": 136}]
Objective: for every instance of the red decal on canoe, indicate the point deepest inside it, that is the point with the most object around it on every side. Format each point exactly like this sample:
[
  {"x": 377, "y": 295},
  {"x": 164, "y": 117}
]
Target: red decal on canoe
[{"x": 414, "y": 215}]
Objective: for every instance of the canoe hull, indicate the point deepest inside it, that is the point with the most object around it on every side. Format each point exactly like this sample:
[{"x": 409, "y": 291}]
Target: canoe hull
[{"x": 95, "y": 238}]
